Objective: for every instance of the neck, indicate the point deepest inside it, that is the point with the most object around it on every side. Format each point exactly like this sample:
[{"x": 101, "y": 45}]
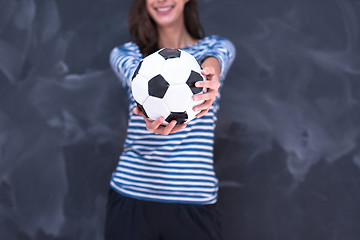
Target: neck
[{"x": 174, "y": 37}]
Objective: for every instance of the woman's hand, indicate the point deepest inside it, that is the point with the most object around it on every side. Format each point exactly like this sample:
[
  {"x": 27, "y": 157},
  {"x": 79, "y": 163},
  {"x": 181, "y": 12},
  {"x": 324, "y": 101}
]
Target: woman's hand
[
  {"x": 211, "y": 70},
  {"x": 156, "y": 127}
]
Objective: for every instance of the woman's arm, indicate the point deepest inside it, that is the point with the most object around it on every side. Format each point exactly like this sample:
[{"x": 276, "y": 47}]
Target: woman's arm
[
  {"x": 211, "y": 70},
  {"x": 124, "y": 60}
]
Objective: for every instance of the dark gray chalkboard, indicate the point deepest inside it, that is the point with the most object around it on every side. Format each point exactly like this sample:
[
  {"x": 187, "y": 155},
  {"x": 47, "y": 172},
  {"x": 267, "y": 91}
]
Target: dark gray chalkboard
[{"x": 287, "y": 150}]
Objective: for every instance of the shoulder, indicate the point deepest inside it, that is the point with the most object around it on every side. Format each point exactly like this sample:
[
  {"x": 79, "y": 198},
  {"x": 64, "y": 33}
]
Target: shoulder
[
  {"x": 216, "y": 41},
  {"x": 128, "y": 48},
  {"x": 216, "y": 45}
]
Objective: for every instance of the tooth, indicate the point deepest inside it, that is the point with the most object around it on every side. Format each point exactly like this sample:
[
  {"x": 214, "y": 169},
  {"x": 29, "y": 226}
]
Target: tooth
[{"x": 163, "y": 9}]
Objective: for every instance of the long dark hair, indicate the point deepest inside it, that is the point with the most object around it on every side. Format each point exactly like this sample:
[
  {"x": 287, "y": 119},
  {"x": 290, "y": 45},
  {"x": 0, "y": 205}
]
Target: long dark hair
[{"x": 143, "y": 29}]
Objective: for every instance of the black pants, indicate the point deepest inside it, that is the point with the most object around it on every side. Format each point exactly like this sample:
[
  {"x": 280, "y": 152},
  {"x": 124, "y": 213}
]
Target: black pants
[{"x": 132, "y": 219}]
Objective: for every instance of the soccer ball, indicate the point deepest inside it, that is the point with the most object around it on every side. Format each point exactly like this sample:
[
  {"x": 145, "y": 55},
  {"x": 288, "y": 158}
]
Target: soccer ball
[{"x": 163, "y": 85}]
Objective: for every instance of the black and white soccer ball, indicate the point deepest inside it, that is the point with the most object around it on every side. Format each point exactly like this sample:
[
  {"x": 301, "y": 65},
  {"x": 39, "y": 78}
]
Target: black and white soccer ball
[{"x": 163, "y": 85}]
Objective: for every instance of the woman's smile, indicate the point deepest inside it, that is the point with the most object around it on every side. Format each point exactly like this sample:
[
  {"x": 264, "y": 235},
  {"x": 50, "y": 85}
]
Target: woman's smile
[
  {"x": 166, "y": 13},
  {"x": 164, "y": 10}
]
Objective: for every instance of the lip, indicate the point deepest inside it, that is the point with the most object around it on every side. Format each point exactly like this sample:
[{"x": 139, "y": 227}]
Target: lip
[{"x": 163, "y": 10}]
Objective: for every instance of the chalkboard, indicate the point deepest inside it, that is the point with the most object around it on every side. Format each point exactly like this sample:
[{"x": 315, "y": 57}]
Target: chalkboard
[{"x": 287, "y": 146}]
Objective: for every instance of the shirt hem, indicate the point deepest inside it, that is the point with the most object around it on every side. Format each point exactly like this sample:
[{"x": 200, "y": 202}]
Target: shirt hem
[{"x": 119, "y": 190}]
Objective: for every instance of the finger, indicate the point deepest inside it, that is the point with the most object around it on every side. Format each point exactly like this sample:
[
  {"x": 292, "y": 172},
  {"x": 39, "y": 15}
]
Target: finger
[
  {"x": 209, "y": 95},
  {"x": 136, "y": 110},
  {"x": 211, "y": 84},
  {"x": 178, "y": 128},
  {"x": 203, "y": 106},
  {"x": 208, "y": 71},
  {"x": 154, "y": 125},
  {"x": 209, "y": 77},
  {"x": 167, "y": 129},
  {"x": 202, "y": 113}
]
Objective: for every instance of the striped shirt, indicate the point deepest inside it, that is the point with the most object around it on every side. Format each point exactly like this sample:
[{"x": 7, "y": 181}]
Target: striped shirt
[{"x": 176, "y": 167}]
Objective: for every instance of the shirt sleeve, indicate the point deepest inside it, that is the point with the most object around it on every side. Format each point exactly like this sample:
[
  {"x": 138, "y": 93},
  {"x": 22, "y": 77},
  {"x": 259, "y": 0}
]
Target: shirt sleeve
[
  {"x": 124, "y": 61},
  {"x": 225, "y": 52}
]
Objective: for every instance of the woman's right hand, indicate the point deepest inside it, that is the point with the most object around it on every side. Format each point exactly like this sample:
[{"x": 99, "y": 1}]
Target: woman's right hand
[{"x": 156, "y": 127}]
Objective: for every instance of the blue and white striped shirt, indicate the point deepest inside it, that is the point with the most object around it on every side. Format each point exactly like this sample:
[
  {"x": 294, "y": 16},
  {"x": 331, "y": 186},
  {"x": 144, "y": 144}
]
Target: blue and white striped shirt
[{"x": 176, "y": 167}]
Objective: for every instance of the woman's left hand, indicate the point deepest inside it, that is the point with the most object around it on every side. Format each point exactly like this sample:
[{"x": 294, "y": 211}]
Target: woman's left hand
[{"x": 212, "y": 84}]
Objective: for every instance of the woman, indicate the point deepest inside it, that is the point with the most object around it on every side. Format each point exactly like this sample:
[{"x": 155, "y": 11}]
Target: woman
[{"x": 164, "y": 186}]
